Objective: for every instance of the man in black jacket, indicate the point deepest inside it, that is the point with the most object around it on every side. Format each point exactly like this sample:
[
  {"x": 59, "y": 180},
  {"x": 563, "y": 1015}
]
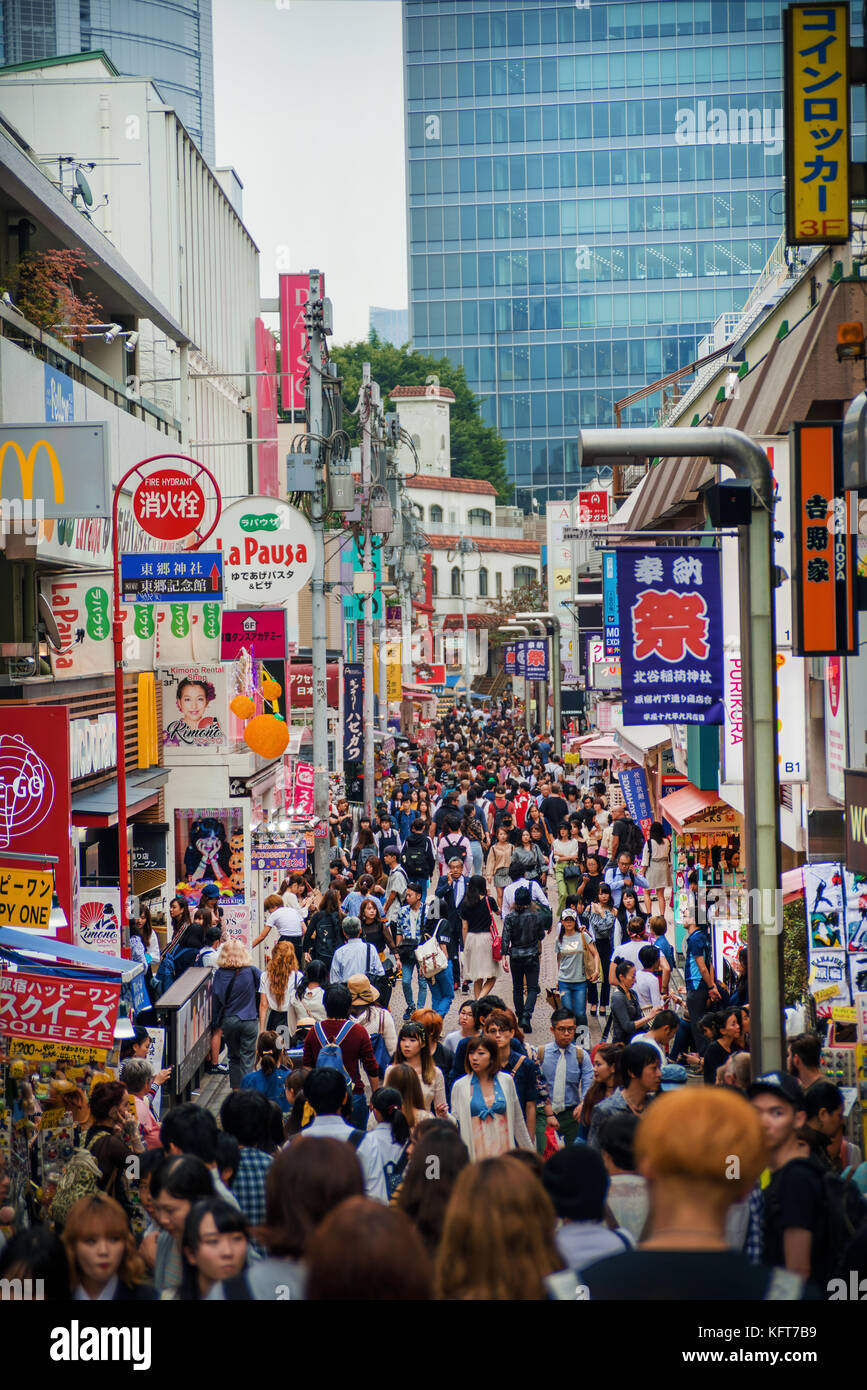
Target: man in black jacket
[
  {"x": 523, "y": 933},
  {"x": 418, "y": 857},
  {"x": 450, "y": 890}
]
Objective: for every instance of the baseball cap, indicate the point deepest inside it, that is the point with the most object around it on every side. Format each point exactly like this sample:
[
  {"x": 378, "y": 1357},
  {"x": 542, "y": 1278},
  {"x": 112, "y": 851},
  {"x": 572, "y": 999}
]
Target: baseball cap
[
  {"x": 672, "y": 1077},
  {"x": 567, "y": 912},
  {"x": 779, "y": 1083},
  {"x": 210, "y": 890}
]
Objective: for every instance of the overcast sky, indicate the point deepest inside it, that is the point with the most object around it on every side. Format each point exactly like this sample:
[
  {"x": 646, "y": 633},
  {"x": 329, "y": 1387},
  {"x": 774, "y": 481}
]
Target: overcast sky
[{"x": 309, "y": 111}]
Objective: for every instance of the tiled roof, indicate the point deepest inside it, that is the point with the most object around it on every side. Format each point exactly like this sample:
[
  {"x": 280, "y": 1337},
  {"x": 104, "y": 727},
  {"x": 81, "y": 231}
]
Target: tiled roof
[
  {"x": 442, "y": 393},
  {"x": 452, "y": 484},
  {"x": 504, "y": 547}
]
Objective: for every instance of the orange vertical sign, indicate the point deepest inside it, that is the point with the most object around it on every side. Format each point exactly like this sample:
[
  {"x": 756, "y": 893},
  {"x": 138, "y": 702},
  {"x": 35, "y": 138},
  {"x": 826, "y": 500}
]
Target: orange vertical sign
[{"x": 823, "y": 605}]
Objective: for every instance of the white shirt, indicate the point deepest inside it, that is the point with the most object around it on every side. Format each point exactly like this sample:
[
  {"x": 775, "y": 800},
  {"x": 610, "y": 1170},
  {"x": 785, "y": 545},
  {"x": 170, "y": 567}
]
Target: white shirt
[
  {"x": 104, "y": 1296},
  {"x": 629, "y": 951},
  {"x": 369, "y": 1152},
  {"x": 537, "y": 894},
  {"x": 288, "y": 922},
  {"x": 279, "y": 1006},
  {"x": 647, "y": 988}
]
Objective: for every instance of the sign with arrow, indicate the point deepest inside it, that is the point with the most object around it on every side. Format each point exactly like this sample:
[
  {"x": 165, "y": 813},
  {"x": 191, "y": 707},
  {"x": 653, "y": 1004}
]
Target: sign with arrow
[{"x": 190, "y": 575}]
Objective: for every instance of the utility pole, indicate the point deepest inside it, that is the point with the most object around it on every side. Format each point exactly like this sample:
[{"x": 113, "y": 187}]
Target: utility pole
[
  {"x": 367, "y": 599},
  {"x": 316, "y": 326},
  {"x": 466, "y": 547},
  {"x": 550, "y": 624},
  {"x": 383, "y": 671}
]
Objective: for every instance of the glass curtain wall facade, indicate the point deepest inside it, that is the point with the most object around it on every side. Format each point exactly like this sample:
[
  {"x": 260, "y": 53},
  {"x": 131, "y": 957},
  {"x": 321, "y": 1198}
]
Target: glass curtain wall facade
[
  {"x": 169, "y": 42},
  {"x": 589, "y": 188}
]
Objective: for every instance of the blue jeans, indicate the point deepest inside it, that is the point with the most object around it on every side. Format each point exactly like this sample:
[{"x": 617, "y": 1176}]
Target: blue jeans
[
  {"x": 442, "y": 991},
  {"x": 575, "y": 998},
  {"x": 406, "y": 973},
  {"x": 359, "y": 1109}
]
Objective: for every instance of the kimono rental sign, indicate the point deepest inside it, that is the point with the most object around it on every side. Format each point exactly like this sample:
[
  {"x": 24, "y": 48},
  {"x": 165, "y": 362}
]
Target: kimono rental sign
[{"x": 671, "y": 647}]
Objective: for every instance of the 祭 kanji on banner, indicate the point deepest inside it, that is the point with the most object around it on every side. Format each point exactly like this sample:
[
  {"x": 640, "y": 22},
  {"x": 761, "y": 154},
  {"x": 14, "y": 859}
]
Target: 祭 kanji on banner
[
  {"x": 59, "y": 1008},
  {"x": 671, "y": 636}
]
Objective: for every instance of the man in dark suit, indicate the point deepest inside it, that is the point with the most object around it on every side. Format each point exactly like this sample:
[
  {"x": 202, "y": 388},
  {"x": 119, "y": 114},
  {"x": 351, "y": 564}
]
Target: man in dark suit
[{"x": 450, "y": 890}]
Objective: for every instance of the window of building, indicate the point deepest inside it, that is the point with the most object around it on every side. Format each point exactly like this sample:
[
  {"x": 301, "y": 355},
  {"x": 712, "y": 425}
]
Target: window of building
[
  {"x": 498, "y": 581},
  {"x": 456, "y": 582},
  {"x": 436, "y": 514},
  {"x": 434, "y": 581},
  {"x": 477, "y": 516},
  {"x": 483, "y": 583},
  {"x": 523, "y": 577}
]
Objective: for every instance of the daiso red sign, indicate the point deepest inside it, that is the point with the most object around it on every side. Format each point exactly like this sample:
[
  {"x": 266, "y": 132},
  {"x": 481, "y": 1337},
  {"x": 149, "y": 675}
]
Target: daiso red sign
[{"x": 293, "y": 337}]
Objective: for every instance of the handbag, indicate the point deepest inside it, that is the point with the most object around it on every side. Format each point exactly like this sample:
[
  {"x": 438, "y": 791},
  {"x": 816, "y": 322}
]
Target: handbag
[
  {"x": 554, "y": 998},
  {"x": 431, "y": 957},
  {"x": 573, "y": 871},
  {"x": 588, "y": 946},
  {"x": 496, "y": 939}
]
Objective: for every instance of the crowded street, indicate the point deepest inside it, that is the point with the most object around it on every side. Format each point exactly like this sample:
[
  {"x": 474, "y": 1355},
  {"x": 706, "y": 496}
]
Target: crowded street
[{"x": 433, "y": 703}]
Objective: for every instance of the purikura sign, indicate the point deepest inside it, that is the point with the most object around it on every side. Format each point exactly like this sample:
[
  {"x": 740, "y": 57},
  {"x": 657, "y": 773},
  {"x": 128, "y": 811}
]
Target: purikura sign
[
  {"x": 268, "y": 549},
  {"x": 300, "y": 801}
]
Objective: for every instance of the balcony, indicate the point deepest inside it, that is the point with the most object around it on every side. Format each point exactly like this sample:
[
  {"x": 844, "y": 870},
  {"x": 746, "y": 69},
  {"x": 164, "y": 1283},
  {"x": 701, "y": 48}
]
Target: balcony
[{"x": 462, "y": 528}]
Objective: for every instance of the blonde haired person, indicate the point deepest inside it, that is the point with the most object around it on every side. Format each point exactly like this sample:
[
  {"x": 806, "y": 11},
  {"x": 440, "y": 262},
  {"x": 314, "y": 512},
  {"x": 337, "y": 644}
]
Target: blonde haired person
[
  {"x": 498, "y": 1237},
  {"x": 701, "y": 1150},
  {"x": 278, "y": 985},
  {"x": 104, "y": 1264},
  {"x": 485, "y": 1104},
  {"x": 406, "y": 1081},
  {"x": 234, "y": 995}
]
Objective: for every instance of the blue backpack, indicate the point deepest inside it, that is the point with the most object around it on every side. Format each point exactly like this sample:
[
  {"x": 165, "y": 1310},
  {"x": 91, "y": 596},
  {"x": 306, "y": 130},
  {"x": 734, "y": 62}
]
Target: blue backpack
[
  {"x": 330, "y": 1055},
  {"x": 380, "y": 1052}
]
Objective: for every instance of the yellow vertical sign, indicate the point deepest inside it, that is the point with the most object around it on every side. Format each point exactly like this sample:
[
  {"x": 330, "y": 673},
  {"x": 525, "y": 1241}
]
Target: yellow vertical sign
[{"x": 817, "y": 124}]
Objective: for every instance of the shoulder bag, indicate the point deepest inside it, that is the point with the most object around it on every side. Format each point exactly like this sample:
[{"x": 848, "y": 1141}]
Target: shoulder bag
[
  {"x": 496, "y": 939},
  {"x": 591, "y": 959},
  {"x": 431, "y": 957}
]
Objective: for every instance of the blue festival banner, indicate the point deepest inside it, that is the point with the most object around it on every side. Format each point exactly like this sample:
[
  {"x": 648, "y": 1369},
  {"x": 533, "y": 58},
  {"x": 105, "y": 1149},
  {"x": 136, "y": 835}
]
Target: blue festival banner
[
  {"x": 531, "y": 659},
  {"x": 671, "y": 646},
  {"x": 509, "y": 665},
  {"x": 633, "y": 784},
  {"x": 353, "y": 711},
  {"x": 610, "y": 608}
]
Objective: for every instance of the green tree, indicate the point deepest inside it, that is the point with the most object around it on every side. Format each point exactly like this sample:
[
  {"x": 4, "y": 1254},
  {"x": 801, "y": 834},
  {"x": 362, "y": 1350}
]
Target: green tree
[{"x": 478, "y": 451}]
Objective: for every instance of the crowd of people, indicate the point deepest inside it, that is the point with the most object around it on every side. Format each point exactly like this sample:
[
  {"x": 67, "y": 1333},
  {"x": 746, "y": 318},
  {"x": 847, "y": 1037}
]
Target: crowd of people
[{"x": 366, "y": 1149}]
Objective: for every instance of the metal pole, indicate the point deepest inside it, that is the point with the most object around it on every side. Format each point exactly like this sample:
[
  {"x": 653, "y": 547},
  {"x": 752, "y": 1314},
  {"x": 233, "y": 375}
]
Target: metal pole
[
  {"x": 383, "y": 673},
  {"x": 556, "y": 685},
  {"x": 464, "y": 546},
  {"x": 318, "y": 614},
  {"x": 367, "y": 565},
  {"x": 406, "y": 629},
  {"x": 758, "y": 654}
]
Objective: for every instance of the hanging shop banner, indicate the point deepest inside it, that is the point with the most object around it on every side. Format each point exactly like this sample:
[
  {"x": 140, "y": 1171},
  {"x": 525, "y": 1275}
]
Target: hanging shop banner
[
  {"x": 592, "y": 508},
  {"x": 148, "y": 846},
  {"x": 35, "y": 793},
  {"x": 824, "y": 904},
  {"x": 99, "y": 920},
  {"x": 816, "y": 96},
  {"x": 855, "y": 783},
  {"x": 267, "y": 411},
  {"x": 185, "y": 632},
  {"x": 196, "y": 576},
  {"x": 828, "y": 980},
  {"x": 353, "y": 711},
  {"x": 610, "y": 608},
  {"x": 791, "y": 717},
  {"x": 81, "y": 607},
  {"x": 671, "y": 636},
  {"x": 58, "y": 1008},
  {"x": 209, "y": 848},
  {"x": 299, "y": 792},
  {"x": 856, "y": 912},
  {"x": 291, "y": 860},
  {"x": 263, "y": 632},
  {"x": 25, "y": 899},
  {"x": 268, "y": 549},
  {"x": 509, "y": 659},
  {"x": 835, "y": 727},
  {"x": 823, "y": 545},
  {"x": 531, "y": 659},
  {"x": 194, "y": 713},
  {"x": 293, "y": 336},
  {"x": 301, "y": 684},
  {"x": 633, "y": 784}
]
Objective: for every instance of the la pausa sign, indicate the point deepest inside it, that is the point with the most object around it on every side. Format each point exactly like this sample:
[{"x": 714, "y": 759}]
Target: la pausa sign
[{"x": 268, "y": 549}]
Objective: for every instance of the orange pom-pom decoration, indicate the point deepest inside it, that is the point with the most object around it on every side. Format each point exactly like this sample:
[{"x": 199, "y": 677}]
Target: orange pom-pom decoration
[
  {"x": 243, "y": 706},
  {"x": 267, "y": 735},
  {"x": 271, "y": 690}
]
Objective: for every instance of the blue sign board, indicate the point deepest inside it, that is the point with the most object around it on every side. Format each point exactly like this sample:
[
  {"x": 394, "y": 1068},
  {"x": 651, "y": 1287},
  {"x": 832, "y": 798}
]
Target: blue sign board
[
  {"x": 189, "y": 575},
  {"x": 354, "y": 604},
  {"x": 509, "y": 659},
  {"x": 610, "y": 610},
  {"x": 59, "y": 398},
  {"x": 633, "y": 784},
  {"x": 531, "y": 659},
  {"x": 671, "y": 650}
]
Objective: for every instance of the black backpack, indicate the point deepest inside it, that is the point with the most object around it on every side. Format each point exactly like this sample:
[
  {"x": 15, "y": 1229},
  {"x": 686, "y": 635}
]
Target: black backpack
[
  {"x": 415, "y": 860},
  {"x": 844, "y": 1215},
  {"x": 631, "y": 839}
]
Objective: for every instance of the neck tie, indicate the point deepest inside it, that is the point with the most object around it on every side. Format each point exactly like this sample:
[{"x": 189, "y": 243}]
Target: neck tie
[{"x": 558, "y": 1099}]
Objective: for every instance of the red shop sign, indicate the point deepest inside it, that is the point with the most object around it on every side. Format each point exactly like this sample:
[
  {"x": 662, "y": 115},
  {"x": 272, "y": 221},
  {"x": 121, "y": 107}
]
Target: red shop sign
[
  {"x": 58, "y": 1008},
  {"x": 301, "y": 685}
]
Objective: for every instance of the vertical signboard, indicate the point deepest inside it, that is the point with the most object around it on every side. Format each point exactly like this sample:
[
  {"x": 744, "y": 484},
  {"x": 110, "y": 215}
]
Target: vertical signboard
[
  {"x": 671, "y": 648},
  {"x": 266, "y": 411},
  {"x": 823, "y": 545},
  {"x": 35, "y": 793},
  {"x": 610, "y": 609},
  {"x": 293, "y": 338},
  {"x": 353, "y": 711},
  {"x": 816, "y": 95}
]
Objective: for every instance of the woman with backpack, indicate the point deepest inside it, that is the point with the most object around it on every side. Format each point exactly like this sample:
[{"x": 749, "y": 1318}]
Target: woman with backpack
[
  {"x": 367, "y": 1010},
  {"x": 377, "y": 933},
  {"x": 601, "y": 918},
  {"x": 323, "y": 935},
  {"x": 389, "y": 1128},
  {"x": 656, "y": 867}
]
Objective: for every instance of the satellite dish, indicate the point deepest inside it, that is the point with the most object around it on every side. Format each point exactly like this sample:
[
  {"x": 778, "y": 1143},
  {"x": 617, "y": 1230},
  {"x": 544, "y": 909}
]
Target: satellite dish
[
  {"x": 46, "y": 617},
  {"x": 84, "y": 188}
]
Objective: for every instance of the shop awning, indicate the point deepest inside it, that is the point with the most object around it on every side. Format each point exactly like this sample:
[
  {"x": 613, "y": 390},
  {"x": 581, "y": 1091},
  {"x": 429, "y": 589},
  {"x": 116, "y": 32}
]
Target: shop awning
[
  {"x": 793, "y": 884},
  {"x": 638, "y": 739},
  {"x": 601, "y": 748},
  {"x": 28, "y": 943},
  {"x": 419, "y": 692},
  {"x": 687, "y": 804},
  {"x": 97, "y": 806}
]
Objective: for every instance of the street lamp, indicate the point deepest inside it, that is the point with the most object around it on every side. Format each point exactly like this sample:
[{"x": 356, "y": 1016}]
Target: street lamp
[
  {"x": 525, "y": 632},
  {"x": 543, "y": 620},
  {"x": 466, "y": 546}
]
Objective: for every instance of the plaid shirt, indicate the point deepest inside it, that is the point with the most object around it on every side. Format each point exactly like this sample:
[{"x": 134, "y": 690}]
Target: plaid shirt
[{"x": 248, "y": 1186}]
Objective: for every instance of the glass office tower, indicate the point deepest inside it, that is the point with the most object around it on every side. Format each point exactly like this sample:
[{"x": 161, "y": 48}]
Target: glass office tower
[
  {"x": 590, "y": 187},
  {"x": 172, "y": 43}
]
